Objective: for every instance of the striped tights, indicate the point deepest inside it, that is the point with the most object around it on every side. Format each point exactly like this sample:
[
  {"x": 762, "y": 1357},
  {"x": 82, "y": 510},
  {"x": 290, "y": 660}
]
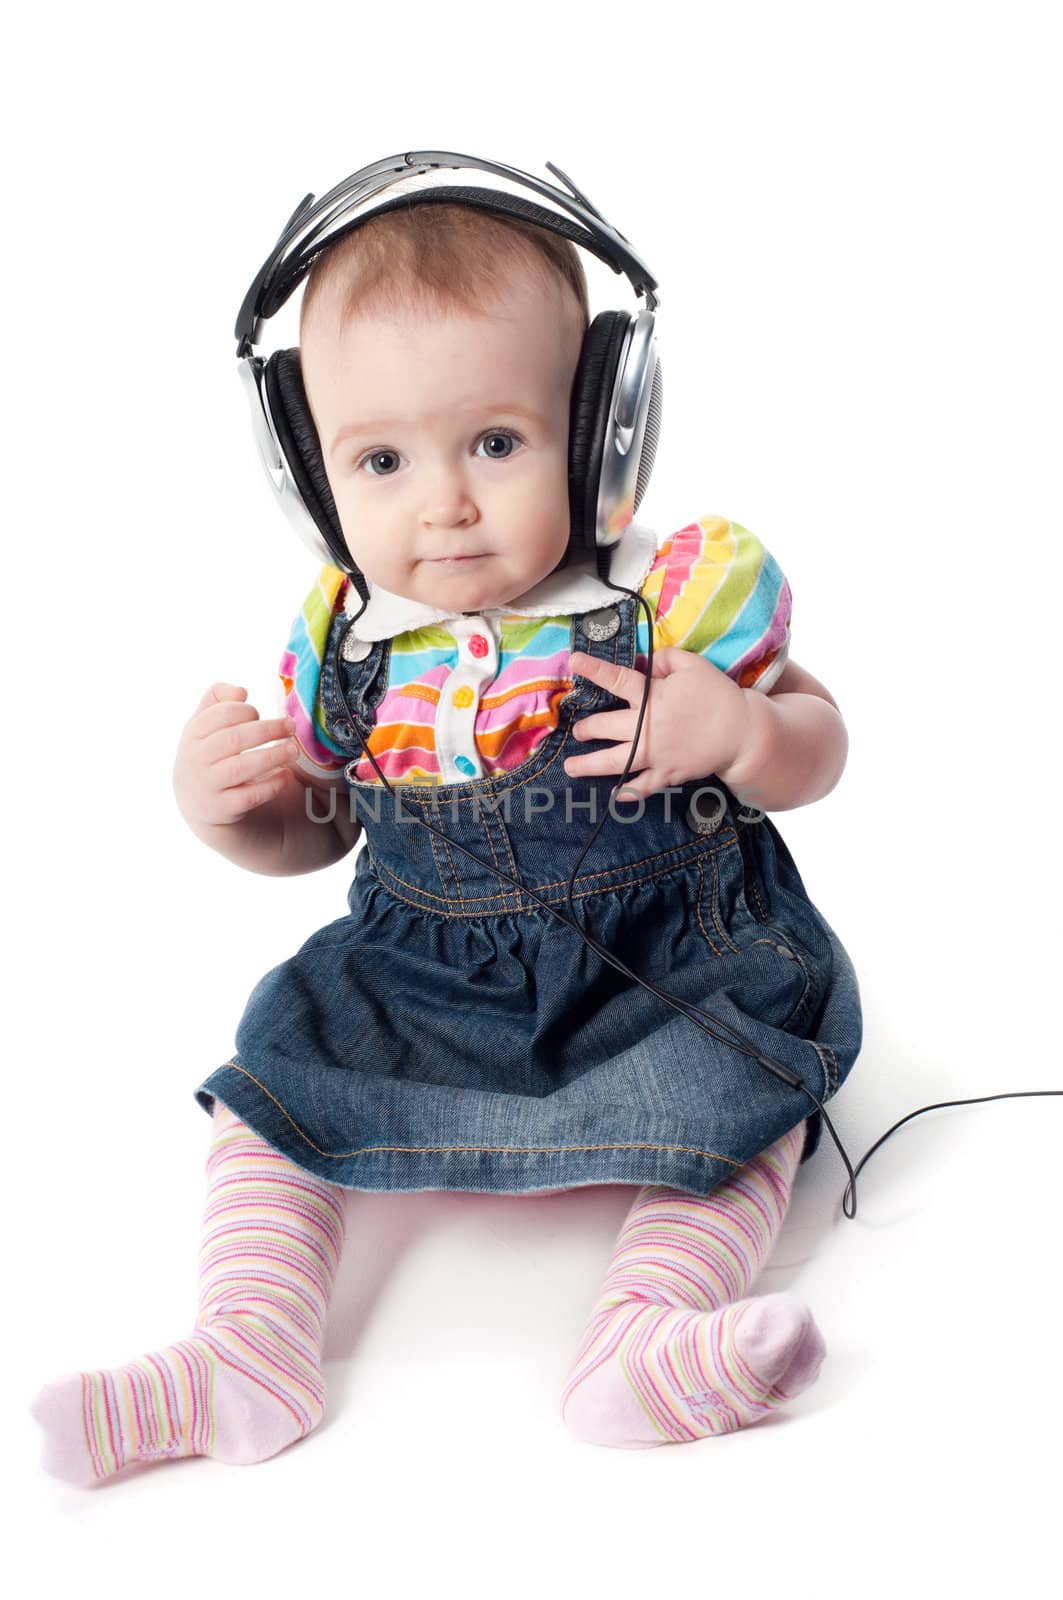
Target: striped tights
[{"x": 672, "y": 1350}]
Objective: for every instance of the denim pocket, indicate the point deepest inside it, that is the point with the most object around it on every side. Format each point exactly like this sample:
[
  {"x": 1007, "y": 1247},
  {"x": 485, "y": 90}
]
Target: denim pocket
[
  {"x": 768, "y": 971},
  {"x": 720, "y": 912}
]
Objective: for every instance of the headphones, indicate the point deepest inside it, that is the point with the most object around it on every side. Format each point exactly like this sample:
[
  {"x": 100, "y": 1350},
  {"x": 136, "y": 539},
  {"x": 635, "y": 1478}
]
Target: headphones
[
  {"x": 615, "y": 415},
  {"x": 614, "y": 428}
]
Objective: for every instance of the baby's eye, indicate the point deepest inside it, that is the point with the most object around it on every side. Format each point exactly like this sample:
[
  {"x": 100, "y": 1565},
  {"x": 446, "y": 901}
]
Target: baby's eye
[
  {"x": 381, "y": 455},
  {"x": 500, "y": 436}
]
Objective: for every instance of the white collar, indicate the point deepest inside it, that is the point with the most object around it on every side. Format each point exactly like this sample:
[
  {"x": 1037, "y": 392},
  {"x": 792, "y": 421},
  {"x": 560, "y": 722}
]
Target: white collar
[{"x": 572, "y": 591}]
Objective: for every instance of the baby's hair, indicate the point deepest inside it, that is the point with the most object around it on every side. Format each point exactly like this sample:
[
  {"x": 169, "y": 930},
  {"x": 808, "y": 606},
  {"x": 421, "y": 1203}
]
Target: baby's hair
[{"x": 441, "y": 257}]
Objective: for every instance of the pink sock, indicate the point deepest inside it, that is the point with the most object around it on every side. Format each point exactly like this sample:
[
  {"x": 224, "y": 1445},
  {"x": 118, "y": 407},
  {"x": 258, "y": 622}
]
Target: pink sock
[
  {"x": 247, "y": 1382},
  {"x": 672, "y": 1352}
]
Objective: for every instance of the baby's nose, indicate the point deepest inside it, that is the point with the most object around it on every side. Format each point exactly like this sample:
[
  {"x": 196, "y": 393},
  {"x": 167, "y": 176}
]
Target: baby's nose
[{"x": 449, "y": 502}]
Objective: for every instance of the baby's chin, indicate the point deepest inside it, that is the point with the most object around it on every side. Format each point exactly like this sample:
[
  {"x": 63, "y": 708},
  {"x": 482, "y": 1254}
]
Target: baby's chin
[{"x": 471, "y": 585}]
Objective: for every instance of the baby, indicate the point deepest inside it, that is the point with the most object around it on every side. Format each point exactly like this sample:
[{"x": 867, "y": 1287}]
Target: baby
[{"x": 450, "y": 1032}]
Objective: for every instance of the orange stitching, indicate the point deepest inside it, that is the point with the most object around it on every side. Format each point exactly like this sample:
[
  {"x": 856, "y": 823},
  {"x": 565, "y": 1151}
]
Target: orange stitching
[
  {"x": 489, "y": 1149},
  {"x": 627, "y": 883},
  {"x": 693, "y": 853},
  {"x": 824, "y": 1067},
  {"x": 454, "y": 875},
  {"x": 504, "y": 837},
  {"x": 808, "y": 972},
  {"x": 825, "y": 1051},
  {"x": 506, "y": 893},
  {"x": 701, "y": 895},
  {"x": 717, "y": 919},
  {"x": 437, "y": 861}
]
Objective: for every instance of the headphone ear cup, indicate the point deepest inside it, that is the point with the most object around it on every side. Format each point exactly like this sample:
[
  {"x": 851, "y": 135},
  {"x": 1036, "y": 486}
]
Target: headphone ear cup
[
  {"x": 294, "y": 425},
  {"x": 652, "y": 435},
  {"x": 592, "y": 394}
]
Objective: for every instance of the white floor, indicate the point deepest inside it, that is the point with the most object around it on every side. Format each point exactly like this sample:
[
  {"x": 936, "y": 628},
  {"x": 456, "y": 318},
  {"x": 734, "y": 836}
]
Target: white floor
[
  {"x": 932, "y": 1428},
  {"x": 850, "y": 210}
]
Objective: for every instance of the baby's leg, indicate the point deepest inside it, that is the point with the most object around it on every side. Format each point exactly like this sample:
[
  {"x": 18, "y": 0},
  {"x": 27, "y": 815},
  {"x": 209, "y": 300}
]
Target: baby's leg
[
  {"x": 651, "y": 1370},
  {"x": 248, "y": 1380}
]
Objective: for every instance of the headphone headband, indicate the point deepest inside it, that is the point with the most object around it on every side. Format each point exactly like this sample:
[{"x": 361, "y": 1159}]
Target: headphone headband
[{"x": 313, "y": 226}]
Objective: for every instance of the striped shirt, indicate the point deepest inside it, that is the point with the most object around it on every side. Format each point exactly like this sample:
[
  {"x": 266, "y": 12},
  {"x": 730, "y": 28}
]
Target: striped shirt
[{"x": 712, "y": 587}]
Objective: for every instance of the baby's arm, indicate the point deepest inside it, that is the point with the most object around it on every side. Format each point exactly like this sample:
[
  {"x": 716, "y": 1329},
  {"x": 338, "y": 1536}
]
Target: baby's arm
[
  {"x": 795, "y": 748},
  {"x": 244, "y": 796}
]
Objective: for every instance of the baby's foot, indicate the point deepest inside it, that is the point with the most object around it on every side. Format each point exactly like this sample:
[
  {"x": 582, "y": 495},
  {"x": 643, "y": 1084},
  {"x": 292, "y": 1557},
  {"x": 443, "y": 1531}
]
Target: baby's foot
[
  {"x": 650, "y": 1375},
  {"x": 239, "y": 1389}
]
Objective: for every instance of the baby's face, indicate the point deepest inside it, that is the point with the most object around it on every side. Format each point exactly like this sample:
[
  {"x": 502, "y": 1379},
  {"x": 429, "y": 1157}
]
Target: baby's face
[{"x": 445, "y": 441}]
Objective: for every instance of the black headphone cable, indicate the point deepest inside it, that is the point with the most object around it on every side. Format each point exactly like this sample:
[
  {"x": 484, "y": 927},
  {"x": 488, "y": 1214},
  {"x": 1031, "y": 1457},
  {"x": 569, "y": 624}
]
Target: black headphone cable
[{"x": 686, "y": 1008}]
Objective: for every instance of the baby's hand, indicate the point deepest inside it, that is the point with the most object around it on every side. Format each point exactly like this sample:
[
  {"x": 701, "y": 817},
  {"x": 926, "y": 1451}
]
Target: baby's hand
[
  {"x": 222, "y": 771},
  {"x": 696, "y": 722}
]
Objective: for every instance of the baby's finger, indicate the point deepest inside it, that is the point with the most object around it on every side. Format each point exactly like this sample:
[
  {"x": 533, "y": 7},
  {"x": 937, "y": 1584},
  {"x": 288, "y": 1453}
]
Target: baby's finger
[
  {"x": 624, "y": 682},
  {"x": 239, "y": 736},
  {"x": 221, "y": 691},
  {"x": 237, "y": 802},
  {"x": 250, "y": 766},
  {"x": 606, "y": 725},
  {"x": 220, "y": 715},
  {"x": 631, "y": 789},
  {"x": 599, "y": 763},
  {"x": 235, "y": 737}
]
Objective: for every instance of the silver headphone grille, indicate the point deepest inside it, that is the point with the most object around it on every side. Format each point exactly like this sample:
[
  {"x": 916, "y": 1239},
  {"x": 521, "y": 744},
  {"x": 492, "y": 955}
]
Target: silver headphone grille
[{"x": 650, "y": 437}]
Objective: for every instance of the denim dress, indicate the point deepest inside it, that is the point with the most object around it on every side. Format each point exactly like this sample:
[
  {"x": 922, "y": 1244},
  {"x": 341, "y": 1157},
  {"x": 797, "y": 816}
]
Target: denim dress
[{"x": 450, "y": 1032}]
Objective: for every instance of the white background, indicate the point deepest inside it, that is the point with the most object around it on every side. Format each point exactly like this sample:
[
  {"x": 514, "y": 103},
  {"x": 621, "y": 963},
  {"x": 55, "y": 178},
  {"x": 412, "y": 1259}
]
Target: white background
[{"x": 852, "y": 212}]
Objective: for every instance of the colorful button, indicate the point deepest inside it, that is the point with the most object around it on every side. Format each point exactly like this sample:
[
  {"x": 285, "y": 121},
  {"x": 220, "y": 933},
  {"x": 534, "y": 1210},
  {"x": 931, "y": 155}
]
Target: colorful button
[
  {"x": 463, "y": 764},
  {"x": 463, "y": 696},
  {"x": 478, "y": 644}
]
